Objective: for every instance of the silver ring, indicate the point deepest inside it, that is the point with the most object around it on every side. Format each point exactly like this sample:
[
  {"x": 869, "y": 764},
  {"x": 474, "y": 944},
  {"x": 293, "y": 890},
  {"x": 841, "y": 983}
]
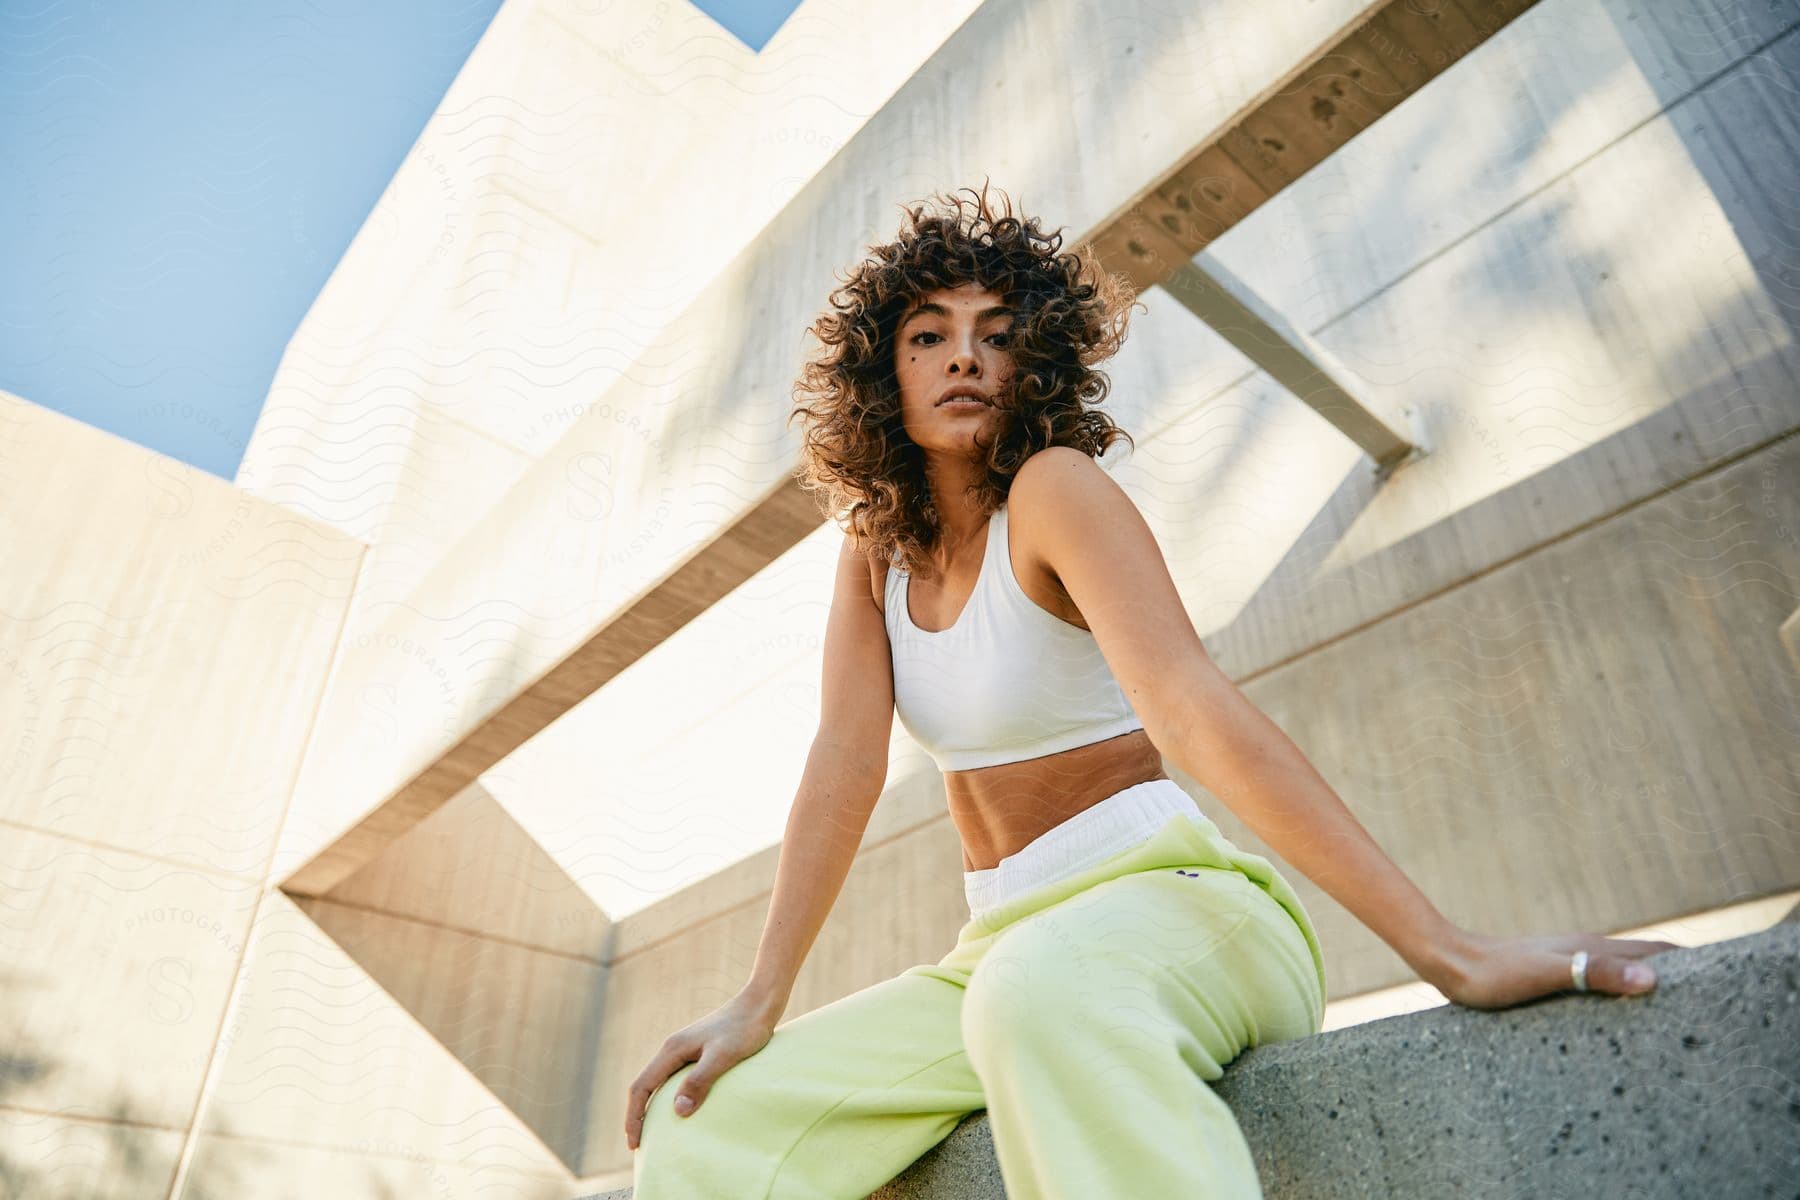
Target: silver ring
[{"x": 1578, "y": 970}]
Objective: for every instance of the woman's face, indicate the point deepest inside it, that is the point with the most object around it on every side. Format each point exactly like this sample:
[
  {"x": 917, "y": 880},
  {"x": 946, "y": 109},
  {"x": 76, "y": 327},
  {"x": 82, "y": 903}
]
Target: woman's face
[{"x": 954, "y": 340}]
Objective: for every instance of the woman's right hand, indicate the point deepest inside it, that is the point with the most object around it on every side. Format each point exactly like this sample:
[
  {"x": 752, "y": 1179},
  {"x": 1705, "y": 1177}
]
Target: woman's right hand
[{"x": 718, "y": 1041}]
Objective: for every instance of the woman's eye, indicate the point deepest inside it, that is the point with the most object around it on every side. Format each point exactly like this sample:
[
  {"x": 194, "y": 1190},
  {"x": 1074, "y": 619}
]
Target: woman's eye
[{"x": 928, "y": 333}]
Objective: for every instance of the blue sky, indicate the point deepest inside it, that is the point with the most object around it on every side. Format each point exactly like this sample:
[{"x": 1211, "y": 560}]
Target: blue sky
[{"x": 183, "y": 177}]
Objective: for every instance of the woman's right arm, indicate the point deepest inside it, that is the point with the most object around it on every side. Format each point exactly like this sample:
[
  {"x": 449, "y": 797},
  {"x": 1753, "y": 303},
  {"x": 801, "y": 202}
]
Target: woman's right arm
[
  {"x": 844, "y": 774},
  {"x": 824, "y": 830}
]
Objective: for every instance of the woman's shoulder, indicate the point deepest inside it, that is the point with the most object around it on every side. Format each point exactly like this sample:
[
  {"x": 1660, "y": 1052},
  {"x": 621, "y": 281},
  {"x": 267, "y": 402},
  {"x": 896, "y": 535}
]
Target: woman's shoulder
[
  {"x": 877, "y": 567},
  {"x": 1052, "y": 467},
  {"x": 1063, "y": 478}
]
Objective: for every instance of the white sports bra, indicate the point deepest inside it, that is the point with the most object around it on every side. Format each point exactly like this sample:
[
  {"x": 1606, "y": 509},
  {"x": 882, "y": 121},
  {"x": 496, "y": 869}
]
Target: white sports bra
[{"x": 1008, "y": 681}]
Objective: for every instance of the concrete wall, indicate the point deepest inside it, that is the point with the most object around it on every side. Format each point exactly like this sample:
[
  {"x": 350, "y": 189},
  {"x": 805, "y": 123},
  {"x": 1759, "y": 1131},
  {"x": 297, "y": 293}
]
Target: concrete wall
[
  {"x": 165, "y": 1008},
  {"x": 164, "y": 644},
  {"x": 172, "y": 1024},
  {"x": 446, "y": 1034}
]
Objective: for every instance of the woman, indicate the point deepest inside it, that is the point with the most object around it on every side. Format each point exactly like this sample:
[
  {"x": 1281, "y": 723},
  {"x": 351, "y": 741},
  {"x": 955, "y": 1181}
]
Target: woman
[{"x": 1000, "y": 592}]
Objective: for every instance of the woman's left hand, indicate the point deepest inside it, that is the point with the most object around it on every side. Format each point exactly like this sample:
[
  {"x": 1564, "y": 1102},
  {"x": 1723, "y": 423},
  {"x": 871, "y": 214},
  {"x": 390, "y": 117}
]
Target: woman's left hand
[{"x": 1498, "y": 972}]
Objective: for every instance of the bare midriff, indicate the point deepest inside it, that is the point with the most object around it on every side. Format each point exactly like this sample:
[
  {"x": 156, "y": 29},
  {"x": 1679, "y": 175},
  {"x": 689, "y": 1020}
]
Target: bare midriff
[{"x": 999, "y": 810}]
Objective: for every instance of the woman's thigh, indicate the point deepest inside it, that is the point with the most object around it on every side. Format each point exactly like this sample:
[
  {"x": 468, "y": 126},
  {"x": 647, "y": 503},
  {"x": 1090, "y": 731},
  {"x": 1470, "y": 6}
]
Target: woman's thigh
[
  {"x": 1201, "y": 953},
  {"x": 838, "y": 1102},
  {"x": 1098, "y": 1023}
]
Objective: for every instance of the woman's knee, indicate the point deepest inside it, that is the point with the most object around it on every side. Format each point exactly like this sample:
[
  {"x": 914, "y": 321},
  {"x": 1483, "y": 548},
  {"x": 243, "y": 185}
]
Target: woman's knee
[
  {"x": 709, "y": 1152},
  {"x": 659, "y": 1109},
  {"x": 729, "y": 1106}
]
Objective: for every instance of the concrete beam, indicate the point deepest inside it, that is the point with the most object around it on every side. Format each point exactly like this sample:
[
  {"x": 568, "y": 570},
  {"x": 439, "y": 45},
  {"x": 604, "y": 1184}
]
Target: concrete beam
[
  {"x": 1371, "y": 65},
  {"x": 750, "y": 543},
  {"x": 1292, "y": 359},
  {"x": 1349, "y": 81},
  {"x": 1353, "y": 78}
]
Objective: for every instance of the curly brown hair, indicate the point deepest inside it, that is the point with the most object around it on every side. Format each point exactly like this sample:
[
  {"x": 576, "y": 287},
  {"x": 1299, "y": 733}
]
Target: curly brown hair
[{"x": 1070, "y": 314}]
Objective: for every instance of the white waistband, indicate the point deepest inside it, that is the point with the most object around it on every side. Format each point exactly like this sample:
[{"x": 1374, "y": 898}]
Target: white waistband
[{"x": 1097, "y": 832}]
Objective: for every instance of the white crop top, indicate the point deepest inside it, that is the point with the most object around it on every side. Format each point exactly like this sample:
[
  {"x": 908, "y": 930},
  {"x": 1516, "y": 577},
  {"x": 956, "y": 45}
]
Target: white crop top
[{"x": 1008, "y": 681}]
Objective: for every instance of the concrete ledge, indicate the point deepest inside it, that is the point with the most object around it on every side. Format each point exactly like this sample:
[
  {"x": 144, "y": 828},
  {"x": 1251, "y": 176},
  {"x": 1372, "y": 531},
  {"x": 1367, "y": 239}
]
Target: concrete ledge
[{"x": 1693, "y": 1090}]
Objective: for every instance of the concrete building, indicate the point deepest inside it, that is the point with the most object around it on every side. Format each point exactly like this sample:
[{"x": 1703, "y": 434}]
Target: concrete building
[{"x": 368, "y": 822}]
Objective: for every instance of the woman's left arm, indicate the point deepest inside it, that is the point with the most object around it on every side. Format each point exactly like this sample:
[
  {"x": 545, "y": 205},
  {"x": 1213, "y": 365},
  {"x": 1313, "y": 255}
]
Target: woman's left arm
[{"x": 1091, "y": 535}]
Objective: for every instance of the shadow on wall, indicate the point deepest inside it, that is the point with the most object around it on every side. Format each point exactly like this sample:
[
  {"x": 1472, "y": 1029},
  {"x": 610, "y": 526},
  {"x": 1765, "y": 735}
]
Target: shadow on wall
[
  {"x": 109, "y": 1151},
  {"x": 106, "y": 1149},
  {"x": 469, "y": 925}
]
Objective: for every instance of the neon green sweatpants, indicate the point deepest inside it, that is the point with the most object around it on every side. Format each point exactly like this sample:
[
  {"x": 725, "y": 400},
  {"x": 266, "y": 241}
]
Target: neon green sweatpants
[{"x": 1088, "y": 1016}]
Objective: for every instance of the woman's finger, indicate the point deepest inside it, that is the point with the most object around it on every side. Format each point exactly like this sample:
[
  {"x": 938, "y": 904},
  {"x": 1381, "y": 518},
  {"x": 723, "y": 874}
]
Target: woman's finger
[
  {"x": 668, "y": 1060},
  {"x": 1610, "y": 972},
  {"x": 698, "y": 1082}
]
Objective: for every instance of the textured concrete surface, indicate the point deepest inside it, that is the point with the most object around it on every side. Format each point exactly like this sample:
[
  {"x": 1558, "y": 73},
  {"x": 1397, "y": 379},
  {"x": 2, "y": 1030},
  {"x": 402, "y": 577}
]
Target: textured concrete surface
[{"x": 1693, "y": 1090}]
